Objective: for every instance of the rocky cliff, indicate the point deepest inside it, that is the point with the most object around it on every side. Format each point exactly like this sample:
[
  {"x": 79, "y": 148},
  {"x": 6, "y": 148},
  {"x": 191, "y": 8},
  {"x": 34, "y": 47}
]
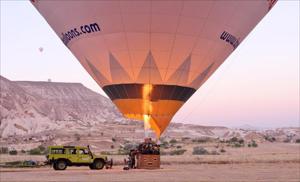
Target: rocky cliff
[{"x": 29, "y": 107}]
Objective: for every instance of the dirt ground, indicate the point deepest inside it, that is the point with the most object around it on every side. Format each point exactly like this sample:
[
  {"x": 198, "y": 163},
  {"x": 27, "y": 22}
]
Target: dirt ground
[
  {"x": 262, "y": 172},
  {"x": 264, "y": 153},
  {"x": 267, "y": 163}
]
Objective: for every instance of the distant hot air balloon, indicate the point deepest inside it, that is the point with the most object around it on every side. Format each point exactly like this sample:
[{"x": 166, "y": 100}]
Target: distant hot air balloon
[{"x": 148, "y": 56}]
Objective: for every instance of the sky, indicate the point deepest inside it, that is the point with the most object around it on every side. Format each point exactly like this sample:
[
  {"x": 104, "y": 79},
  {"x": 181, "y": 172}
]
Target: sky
[{"x": 258, "y": 84}]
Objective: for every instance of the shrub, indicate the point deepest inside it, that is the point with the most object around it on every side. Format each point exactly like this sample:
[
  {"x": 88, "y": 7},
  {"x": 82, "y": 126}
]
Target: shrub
[
  {"x": 252, "y": 144},
  {"x": 3, "y": 150},
  {"x": 201, "y": 140},
  {"x": 77, "y": 136},
  {"x": 199, "y": 151},
  {"x": 23, "y": 151},
  {"x": 13, "y": 152},
  {"x": 178, "y": 146},
  {"x": 233, "y": 140},
  {"x": 165, "y": 144},
  {"x": 222, "y": 150},
  {"x": 298, "y": 140},
  {"x": 173, "y": 141},
  {"x": 113, "y": 139},
  {"x": 35, "y": 151},
  {"x": 185, "y": 139},
  {"x": 241, "y": 141},
  {"x": 237, "y": 145},
  {"x": 40, "y": 150},
  {"x": 177, "y": 152},
  {"x": 222, "y": 141},
  {"x": 270, "y": 138}
]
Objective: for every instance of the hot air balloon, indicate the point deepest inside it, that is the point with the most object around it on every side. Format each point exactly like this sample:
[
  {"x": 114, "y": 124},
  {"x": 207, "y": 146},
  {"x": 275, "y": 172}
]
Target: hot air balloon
[{"x": 150, "y": 57}]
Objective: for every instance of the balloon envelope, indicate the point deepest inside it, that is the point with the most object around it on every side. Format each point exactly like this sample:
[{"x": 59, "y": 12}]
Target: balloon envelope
[{"x": 150, "y": 57}]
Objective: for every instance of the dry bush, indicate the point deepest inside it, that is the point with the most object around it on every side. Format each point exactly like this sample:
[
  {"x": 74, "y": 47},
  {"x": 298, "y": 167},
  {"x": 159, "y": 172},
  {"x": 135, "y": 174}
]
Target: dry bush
[
  {"x": 252, "y": 144},
  {"x": 3, "y": 150},
  {"x": 177, "y": 152},
  {"x": 202, "y": 140},
  {"x": 13, "y": 152},
  {"x": 200, "y": 151}
]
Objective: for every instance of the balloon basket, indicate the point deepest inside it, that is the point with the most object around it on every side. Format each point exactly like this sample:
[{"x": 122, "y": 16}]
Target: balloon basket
[
  {"x": 148, "y": 155},
  {"x": 148, "y": 161}
]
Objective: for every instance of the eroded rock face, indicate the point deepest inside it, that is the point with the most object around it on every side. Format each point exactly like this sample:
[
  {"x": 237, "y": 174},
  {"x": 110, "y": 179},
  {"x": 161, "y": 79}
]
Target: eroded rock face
[
  {"x": 53, "y": 113},
  {"x": 29, "y": 107}
]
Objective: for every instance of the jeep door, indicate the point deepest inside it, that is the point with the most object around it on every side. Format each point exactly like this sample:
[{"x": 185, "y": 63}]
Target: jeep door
[
  {"x": 72, "y": 155},
  {"x": 84, "y": 156}
]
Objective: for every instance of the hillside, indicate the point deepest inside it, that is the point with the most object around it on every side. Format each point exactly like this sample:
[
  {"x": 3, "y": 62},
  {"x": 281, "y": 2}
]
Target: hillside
[
  {"x": 35, "y": 113},
  {"x": 32, "y": 107}
]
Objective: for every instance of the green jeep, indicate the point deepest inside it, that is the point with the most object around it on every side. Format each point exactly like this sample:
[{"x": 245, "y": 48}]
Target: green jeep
[{"x": 62, "y": 156}]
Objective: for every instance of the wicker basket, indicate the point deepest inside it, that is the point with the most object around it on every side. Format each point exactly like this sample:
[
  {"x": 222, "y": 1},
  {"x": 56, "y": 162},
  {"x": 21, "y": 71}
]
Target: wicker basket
[{"x": 147, "y": 161}]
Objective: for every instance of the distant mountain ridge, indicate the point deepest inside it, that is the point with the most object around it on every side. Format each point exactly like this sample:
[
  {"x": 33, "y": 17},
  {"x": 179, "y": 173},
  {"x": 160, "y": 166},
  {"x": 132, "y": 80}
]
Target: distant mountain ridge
[
  {"x": 54, "y": 112},
  {"x": 38, "y": 106}
]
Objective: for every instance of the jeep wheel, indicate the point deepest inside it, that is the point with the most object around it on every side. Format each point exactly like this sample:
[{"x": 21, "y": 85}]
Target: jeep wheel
[
  {"x": 60, "y": 165},
  {"x": 54, "y": 166},
  {"x": 91, "y": 166},
  {"x": 98, "y": 164}
]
